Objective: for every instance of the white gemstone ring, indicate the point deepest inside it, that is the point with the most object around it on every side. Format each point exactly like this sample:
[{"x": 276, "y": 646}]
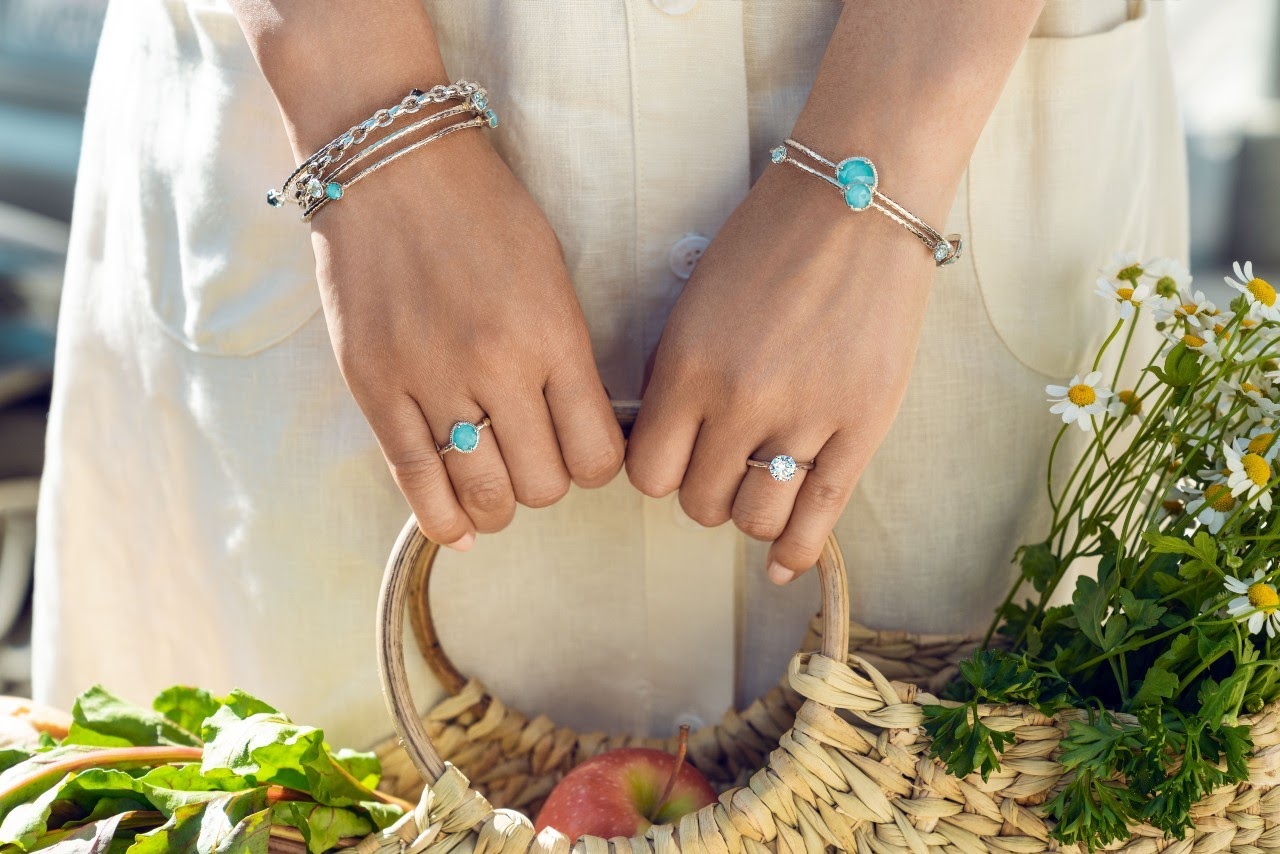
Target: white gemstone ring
[{"x": 781, "y": 468}]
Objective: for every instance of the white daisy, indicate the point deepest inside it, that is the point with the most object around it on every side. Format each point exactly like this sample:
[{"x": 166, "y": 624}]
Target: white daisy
[
  {"x": 1257, "y": 602},
  {"x": 1083, "y": 402},
  {"x": 1256, "y": 398},
  {"x": 1213, "y": 506},
  {"x": 1189, "y": 308},
  {"x": 1124, "y": 404},
  {"x": 1249, "y": 474},
  {"x": 1170, "y": 278},
  {"x": 1261, "y": 440},
  {"x": 1261, "y": 296},
  {"x": 1124, "y": 293},
  {"x": 1201, "y": 340},
  {"x": 1124, "y": 266}
]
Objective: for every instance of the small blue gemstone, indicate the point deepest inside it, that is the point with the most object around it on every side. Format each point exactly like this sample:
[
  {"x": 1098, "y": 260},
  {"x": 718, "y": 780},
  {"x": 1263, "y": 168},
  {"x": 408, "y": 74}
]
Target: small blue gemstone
[
  {"x": 779, "y": 154},
  {"x": 491, "y": 117},
  {"x": 480, "y": 102},
  {"x": 858, "y": 196},
  {"x": 856, "y": 170},
  {"x": 333, "y": 190},
  {"x": 465, "y": 437}
]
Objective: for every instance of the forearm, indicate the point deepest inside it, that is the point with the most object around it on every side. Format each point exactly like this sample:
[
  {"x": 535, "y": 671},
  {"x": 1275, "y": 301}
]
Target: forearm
[
  {"x": 331, "y": 64},
  {"x": 912, "y": 89}
]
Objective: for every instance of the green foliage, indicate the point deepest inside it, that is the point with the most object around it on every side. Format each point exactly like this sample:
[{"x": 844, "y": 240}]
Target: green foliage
[
  {"x": 130, "y": 780},
  {"x": 1156, "y": 551}
]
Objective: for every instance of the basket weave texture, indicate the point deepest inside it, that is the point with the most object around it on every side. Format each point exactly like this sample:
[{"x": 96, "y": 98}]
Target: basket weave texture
[{"x": 835, "y": 758}]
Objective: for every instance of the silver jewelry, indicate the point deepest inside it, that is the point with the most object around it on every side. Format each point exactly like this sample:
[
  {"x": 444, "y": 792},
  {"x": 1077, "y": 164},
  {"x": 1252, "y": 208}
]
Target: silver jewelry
[
  {"x": 464, "y": 437},
  {"x": 858, "y": 182},
  {"x": 782, "y": 467},
  {"x": 304, "y": 186}
]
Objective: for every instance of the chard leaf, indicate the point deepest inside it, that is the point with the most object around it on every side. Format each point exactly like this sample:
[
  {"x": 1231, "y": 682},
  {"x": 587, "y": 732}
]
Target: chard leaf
[
  {"x": 365, "y": 767},
  {"x": 102, "y": 719},
  {"x": 73, "y": 798},
  {"x": 322, "y": 827},
  {"x": 170, "y": 787},
  {"x": 94, "y": 838},
  {"x": 11, "y": 757},
  {"x": 186, "y": 707},
  {"x": 211, "y": 827}
]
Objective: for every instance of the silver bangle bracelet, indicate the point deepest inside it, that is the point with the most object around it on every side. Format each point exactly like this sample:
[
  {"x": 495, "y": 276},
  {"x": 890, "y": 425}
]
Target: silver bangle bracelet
[
  {"x": 304, "y": 185},
  {"x": 858, "y": 182}
]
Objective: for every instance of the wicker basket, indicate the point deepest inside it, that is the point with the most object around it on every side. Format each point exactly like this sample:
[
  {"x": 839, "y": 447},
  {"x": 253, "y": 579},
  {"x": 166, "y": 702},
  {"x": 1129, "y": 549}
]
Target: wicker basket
[{"x": 833, "y": 759}]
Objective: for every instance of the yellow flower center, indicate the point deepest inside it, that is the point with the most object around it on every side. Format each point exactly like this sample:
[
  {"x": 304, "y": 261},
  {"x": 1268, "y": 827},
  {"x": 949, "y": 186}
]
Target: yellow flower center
[
  {"x": 1124, "y": 294},
  {"x": 1263, "y": 597},
  {"x": 1166, "y": 286},
  {"x": 1082, "y": 395},
  {"x": 1192, "y": 341},
  {"x": 1248, "y": 387},
  {"x": 1248, "y": 323},
  {"x": 1130, "y": 400},
  {"x": 1262, "y": 292},
  {"x": 1189, "y": 308},
  {"x": 1219, "y": 497},
  {"x": 1261, "y": 443},
  {"x": 1256, "y": 468},
  {"x": 1220, "y": 329}
]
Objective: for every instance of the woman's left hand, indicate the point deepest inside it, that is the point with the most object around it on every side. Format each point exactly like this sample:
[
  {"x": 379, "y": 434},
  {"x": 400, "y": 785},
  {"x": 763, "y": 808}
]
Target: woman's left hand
[{"x": 796, "y": 335}]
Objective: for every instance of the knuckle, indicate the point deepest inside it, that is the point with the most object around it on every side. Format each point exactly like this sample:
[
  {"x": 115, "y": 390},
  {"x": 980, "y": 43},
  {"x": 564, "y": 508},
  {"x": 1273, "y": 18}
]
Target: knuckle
[
  {"x": 798, "y": 554},
  {"x": 596, "y": 467},
  {"x": 487, "y": 494},
  {"x": 827, "y": 498},
  {"x": 646, "y": 482},
  {"x": 704, "y": 512},
  {"x": 757, "y": 524},
  {"x": 542, "y": 493}
]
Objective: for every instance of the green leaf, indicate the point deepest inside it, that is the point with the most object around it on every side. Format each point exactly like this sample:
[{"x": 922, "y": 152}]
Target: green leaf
[
  {"x": 1206, "y": 547},
  {"x": 211, "y": 827},
  {"x": 1038, "y": 563},
  {"x": 962, "y": 741},
  {"x": 322, "y": 827},
  {"x": 94, "y": 838},
  {"x": 187, "y": 707},
  {"x": 170, "y": 787},
  {"x": 11, "y": 757},
  {"x": 74, "y": 797},
  {"x": 1089, "y": 605},
  {"x": 100, "y": 718},
  {"x": 362, "y": 765},
  {"x": 1164, "y": 544},
  {"x": 1159, "y": 684},
  {"x": 1181, "y": 366}
]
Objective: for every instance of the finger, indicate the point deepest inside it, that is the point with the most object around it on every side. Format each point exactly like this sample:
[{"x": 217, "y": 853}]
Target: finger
[
  {"x": 529, "y": 448},
  {"x": 821, "y": 500},
  {"x": 716, "y": 470},
  {"x": 764, "y": 503},
  {"x": 590, "y": 439},
  {"x": 419, "y": 472},
  {"x": 480, "y": 479},
  {"x": 662, "y": 441}
]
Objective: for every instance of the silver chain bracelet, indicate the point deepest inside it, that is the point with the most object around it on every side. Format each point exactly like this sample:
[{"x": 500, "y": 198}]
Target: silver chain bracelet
[
  {"x": 306, "y": 185},
  {"x": 858, "y": 182}
]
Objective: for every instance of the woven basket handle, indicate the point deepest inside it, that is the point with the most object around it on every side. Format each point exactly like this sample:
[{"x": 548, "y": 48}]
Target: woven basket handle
[{"x": 408, "y": 570}]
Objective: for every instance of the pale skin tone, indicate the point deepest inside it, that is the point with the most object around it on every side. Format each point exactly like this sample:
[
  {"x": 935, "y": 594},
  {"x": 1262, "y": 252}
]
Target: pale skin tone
[{"x": 481, "y": 318}]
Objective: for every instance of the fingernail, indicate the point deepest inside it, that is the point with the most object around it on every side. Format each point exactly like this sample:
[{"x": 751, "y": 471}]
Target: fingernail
[
  {"x": 464, "y": 544},
  {"x": 779, "y": 574}
]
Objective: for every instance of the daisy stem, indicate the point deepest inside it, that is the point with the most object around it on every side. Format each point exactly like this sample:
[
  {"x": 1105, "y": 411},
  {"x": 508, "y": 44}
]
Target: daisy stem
[
  {"x": 1098, "y": 359},
  {"x": 1053, "y": 452},
  {"x": 1124, "y": 350}
]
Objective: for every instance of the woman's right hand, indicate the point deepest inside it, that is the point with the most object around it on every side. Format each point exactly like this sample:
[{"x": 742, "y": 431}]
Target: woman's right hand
[{"x": 447, "y": 300}]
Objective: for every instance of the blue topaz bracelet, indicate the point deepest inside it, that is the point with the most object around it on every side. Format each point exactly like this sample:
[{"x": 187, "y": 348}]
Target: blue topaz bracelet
[
  {"x": 308, "y": 185},
  {"x": 858, "y": 182}
]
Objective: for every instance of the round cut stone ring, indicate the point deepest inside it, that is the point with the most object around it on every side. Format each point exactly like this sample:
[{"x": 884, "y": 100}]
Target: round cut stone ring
[
  {"x": 782, "y": 467},
  {"x": 464, "y": 437}
]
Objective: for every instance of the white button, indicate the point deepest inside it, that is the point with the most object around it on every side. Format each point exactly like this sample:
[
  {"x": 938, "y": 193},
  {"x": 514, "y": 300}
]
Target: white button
[
  {"x": 676, "y": 7},
  {"x": 684, "y": 256},
  {"x": 694, "y": 721}
]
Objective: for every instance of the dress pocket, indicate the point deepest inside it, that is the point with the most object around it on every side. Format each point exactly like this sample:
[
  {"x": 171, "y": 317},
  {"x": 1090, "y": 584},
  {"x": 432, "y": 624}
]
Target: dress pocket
[
  {"x": 225, "y": 273},
  {"x": 1062, "y": 177}
]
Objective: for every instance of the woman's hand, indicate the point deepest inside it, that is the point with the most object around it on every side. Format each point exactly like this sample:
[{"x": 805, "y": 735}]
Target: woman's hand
[
  {"x": 448, "y": 300},
  {"x": 796, "y": 335}
]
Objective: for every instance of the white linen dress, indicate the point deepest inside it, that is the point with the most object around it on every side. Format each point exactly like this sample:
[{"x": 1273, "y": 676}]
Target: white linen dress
[{"x": 216, "y": 511}]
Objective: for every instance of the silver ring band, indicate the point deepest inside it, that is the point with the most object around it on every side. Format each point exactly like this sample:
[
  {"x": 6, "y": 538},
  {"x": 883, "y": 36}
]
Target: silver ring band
[
  {"x": 782, "y": 467},
  {"x": 464, "y": 437}
]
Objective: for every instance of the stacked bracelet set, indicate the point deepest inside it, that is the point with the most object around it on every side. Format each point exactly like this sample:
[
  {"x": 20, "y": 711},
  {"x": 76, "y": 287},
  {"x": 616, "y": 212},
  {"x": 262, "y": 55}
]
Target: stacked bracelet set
[
  {"x": 325, "y": 176},
  {"x": 858, "y": 182}
]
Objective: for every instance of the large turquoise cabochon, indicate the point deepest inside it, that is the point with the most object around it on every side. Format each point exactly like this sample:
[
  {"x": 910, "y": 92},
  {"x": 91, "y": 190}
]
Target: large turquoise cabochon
[
  {"x": 856, "y": 170},
  {"x": 465, "y": 437}
]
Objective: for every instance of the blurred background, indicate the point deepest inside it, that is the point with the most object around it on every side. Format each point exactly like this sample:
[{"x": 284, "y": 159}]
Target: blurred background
[{"x": 1228, "y": 81}]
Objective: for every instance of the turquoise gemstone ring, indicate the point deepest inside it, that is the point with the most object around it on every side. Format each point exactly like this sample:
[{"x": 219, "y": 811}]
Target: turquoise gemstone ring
[{"x": 464, "y": 437}]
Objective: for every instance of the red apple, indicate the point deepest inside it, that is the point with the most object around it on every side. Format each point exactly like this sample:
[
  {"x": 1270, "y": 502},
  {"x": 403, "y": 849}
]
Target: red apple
[{"x": 623, "y": 792}]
